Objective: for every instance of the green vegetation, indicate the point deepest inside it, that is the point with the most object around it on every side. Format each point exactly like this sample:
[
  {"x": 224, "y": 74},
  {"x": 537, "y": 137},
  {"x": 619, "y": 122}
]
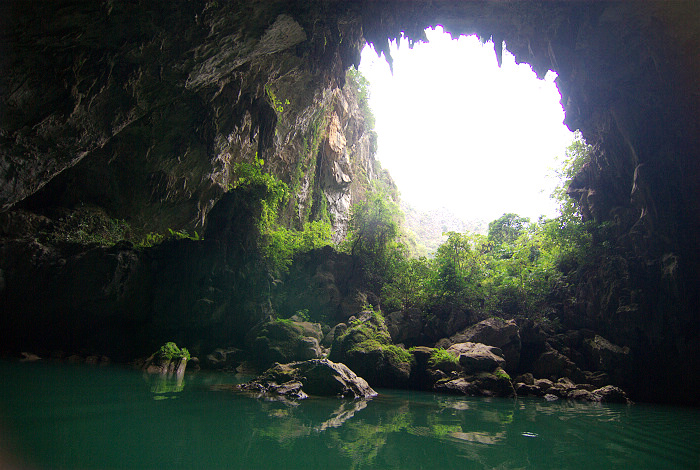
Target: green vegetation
[
  {"x": 521, "y": 268},
  {"x": 278, "y": 244},
  {"x": 275, "y": 102},
  {"x": 155, "y": 238},
  {"x": 501, "y": 374},
  {"x": 87, "y": 225},
  {"x": 170, "y": 351},
  {"x": 441, "y": 356}
]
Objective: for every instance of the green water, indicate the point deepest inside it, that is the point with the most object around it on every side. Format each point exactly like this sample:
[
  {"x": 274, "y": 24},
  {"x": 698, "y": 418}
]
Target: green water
[{"x": 58, "y": 416}]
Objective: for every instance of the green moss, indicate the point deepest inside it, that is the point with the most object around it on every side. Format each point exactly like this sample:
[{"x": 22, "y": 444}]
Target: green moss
[
  {"x": 366, "y": 346},
  {"x": 501, "y": 374},
  {"x": 397, "y": 354}
]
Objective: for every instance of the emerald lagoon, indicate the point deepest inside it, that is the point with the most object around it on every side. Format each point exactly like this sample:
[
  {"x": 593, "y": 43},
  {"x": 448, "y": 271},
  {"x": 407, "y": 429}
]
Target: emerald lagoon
[{"x": 58, "y": 416}]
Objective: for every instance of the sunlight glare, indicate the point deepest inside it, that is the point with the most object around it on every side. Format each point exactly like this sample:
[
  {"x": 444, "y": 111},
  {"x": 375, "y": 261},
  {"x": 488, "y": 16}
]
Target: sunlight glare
[{"x": 455, "y": 130}]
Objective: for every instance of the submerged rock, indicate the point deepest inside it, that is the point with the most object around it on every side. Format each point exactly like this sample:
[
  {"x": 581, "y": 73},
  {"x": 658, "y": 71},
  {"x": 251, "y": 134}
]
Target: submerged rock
[{"x": 319, "y": 377}]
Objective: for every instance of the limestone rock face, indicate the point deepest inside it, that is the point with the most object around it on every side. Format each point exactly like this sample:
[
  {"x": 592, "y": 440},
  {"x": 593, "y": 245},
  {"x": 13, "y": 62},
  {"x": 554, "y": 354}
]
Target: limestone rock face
[
  {"x": 151, "y": 130},
  {"x": 605, "y": 356}
]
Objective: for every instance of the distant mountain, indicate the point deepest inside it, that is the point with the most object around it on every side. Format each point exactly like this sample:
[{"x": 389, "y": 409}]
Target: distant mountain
[{"x": 425, "y": 228}]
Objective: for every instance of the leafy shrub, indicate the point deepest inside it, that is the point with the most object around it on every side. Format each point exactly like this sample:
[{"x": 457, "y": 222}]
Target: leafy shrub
[
  {"x": 87, "y": 225},
  {"x": 170, "y": 351}
]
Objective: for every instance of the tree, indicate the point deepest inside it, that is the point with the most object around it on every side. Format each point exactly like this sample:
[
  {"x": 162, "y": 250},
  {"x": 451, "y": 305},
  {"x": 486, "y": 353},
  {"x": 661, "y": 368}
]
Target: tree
[
  {"x": 460, "y": 264},
  {"x": 507, "y": 228},
  {"x": 373, "y": 231}
]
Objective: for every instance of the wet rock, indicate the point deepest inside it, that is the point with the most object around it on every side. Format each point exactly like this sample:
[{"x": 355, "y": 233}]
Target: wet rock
[
  {"x": 319, "y": 377},
  {"x": 484, "y": 384},
  {"x": 611, "y": 394}
]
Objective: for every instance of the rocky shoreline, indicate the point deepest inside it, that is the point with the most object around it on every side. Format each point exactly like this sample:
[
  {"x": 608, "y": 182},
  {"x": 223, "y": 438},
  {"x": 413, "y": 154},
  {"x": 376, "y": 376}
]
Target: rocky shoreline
[{"x": 492, "y": 358}]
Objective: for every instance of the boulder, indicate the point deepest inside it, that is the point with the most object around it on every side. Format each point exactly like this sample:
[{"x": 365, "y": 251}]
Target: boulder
[
  {"x": 503, "y": 334},
  {"x": 523, "y": 389},
  {"x": 610, "y": 394},
  {"x": 543, "y": 385},
  {"x": 366, "y": 348},
  {"x": 156, "y": 364},
  {"x": 527, "y": 379},
  {"x": 422, "y": 376},
  {"x": 580, "y": 394},
  {"x": 475, "y": 357},
  {"x": 224, "y": 359},
  {"x": 553, "y": 364},
  {"x": 486, "y": 384},
  {"x": 319, "y": 377}
]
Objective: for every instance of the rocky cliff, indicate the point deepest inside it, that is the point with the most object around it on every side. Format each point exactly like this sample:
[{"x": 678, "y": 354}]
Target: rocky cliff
[{"x": 142, "y": 109}]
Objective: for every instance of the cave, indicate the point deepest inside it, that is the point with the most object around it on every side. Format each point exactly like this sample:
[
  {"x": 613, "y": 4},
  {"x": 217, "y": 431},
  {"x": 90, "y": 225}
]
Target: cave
[{"x": 140, "y": 110}]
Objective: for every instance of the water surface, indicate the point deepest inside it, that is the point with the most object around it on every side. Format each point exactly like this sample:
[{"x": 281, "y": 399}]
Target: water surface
[{"x": 55, "y": 416}]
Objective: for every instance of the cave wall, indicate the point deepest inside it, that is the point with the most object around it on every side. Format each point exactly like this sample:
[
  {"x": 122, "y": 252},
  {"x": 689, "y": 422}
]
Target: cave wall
[{"x": 143, "y": 108}]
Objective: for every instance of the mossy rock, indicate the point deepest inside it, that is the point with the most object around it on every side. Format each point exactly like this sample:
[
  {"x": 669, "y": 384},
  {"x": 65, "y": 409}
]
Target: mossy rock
[{"x": 366, "y": 348}]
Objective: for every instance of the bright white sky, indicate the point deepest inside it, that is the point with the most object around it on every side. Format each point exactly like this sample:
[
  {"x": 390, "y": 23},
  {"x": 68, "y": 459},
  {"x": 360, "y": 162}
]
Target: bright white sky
[{"x": 457, "y": 131}]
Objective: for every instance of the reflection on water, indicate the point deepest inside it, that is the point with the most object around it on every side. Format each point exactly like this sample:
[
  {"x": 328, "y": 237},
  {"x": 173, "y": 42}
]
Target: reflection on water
[
  {"x": 165, "y": 386},
  {"x": 93, "y": 418}
]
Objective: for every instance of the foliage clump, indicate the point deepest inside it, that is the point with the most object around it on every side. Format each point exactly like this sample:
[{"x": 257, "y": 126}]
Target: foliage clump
[
  {"x": 521, "y": 268},
  {"x": 170, "y": 351},
  {"x": 87, "y": 225},
  {"x": 441, "y": 356},
  {"x": 278, "y": 244}
]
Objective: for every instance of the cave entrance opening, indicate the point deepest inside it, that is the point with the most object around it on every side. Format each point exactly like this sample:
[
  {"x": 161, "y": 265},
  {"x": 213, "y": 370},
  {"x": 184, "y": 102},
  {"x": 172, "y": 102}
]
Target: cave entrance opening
[{"x": 456, "y": 131}]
